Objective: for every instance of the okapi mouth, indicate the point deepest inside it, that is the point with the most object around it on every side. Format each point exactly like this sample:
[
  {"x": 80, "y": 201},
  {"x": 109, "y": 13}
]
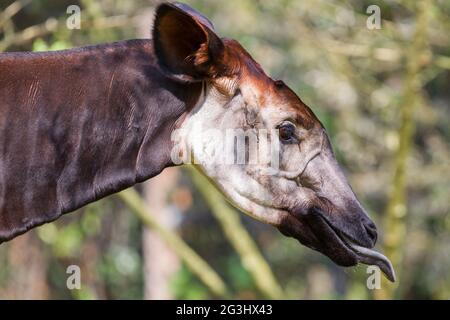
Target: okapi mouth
[{"x": 315, "y": 231}]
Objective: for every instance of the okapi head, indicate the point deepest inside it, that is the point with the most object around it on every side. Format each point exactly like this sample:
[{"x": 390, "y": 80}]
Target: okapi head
[
  {"x": 230, "y": 135},
  {"x": 78, "y": 125}
]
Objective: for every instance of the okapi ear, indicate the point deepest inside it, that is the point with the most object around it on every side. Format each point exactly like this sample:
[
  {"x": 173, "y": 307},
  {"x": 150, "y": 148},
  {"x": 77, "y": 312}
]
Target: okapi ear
[{"x": 185, "y": 44}]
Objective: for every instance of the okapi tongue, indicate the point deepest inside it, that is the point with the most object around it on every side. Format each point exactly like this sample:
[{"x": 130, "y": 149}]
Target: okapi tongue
[{"x": 372, "y": 257}]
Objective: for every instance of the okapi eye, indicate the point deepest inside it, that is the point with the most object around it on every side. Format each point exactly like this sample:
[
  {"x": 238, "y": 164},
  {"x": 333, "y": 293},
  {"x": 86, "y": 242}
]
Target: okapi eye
[{"x": 287, "y": 132}]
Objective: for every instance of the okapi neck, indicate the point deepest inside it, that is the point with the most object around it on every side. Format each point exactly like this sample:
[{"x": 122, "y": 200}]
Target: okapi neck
[{"x": 78, "y": 125}]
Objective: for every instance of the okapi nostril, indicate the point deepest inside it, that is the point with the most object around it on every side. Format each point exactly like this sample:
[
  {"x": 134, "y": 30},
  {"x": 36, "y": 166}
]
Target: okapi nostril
[{"x": 371, "y": 230}]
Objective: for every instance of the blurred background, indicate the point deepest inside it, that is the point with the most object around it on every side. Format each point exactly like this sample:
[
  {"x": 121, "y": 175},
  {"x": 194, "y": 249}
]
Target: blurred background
[{"x": 382, "y": 94}]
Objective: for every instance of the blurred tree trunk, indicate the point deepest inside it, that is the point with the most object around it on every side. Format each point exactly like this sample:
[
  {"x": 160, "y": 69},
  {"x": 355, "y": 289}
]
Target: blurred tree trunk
[
  {"x": 229, "y": 220},
  {"x": 89, "y": 260},
  {"x": 395, "y": 220},
  {"x": 160, "y": 262},
  {"x": 27, "y": 267},
  {"x": 193, "y": 261}
]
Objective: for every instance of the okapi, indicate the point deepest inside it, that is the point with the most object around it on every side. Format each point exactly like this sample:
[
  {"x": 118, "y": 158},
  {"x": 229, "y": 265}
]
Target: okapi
[{"x": 80, "y": 124}]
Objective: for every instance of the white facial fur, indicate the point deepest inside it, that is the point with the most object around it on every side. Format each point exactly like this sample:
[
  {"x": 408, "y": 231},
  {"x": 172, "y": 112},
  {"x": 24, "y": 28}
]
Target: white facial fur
[{"x": 260, "y": 189}]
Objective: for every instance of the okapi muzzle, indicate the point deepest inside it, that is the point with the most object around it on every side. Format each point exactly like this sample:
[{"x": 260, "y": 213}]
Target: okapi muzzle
[{"x": 80, "y": 124}]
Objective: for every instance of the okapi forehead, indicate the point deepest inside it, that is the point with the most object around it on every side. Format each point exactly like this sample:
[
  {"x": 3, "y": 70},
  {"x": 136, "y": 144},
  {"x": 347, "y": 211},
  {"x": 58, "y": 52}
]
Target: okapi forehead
[{"x": 256, "y": 85}]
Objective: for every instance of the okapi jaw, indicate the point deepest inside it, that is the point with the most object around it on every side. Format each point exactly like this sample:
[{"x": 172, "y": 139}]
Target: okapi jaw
[{"x": 306, "y": 196}]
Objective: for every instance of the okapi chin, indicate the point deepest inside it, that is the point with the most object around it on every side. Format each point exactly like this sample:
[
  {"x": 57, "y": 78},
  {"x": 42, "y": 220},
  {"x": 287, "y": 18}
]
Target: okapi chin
[{"x": 78, "y": 125}]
